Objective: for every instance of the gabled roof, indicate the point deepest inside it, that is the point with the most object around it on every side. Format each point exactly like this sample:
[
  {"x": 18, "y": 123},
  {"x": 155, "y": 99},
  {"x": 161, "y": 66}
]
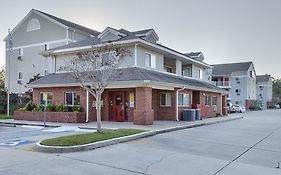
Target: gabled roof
[
  {"x": 228, "y": 68},
  {"x": 132, "y": 75},
  {"x": 70, "y": 24},
  {"x": 263, "y": 78},
  {"x": 193, "y": 54},
  {"x": 59, "y": 21}
]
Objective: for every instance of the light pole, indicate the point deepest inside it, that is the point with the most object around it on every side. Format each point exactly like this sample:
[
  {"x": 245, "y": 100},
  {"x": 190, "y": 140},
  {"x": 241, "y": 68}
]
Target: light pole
[{"x": 8, "y": 77}]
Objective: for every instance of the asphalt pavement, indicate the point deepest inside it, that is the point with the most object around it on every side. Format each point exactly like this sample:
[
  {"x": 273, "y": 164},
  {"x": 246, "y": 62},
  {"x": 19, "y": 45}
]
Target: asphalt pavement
[{"x": 250, "y": 146}]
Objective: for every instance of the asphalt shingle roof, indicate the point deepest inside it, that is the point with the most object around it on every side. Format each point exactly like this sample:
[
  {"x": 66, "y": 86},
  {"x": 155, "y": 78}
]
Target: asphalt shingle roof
[
  {"x": 193, "y": 54},
  {"x": 263, "y": 78},
  {"x": 130, "y": 74},
  {"x": 228, "y": 68},
  {"x": 71, "y": 24}
]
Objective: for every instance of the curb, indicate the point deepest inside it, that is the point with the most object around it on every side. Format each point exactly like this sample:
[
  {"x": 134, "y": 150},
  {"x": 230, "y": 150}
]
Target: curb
[{"x": 90, "y": 146}]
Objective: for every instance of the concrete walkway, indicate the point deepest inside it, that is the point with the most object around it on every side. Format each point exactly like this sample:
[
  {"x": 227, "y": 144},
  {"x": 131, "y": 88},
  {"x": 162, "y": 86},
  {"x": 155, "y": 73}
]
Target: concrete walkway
[{"x": 158, "y": 125}]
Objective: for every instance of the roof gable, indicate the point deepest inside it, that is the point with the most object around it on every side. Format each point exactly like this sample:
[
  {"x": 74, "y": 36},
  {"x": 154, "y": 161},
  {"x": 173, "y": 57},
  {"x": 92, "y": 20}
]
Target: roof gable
[
  {"x": 227, "y": 69},
  {"x": 58, "y": 21},
  {"x": 263, "y": 78}
]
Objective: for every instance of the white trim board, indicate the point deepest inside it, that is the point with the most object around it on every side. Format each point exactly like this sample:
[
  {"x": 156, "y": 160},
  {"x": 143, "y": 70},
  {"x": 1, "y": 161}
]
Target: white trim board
[{"x": 43, "y": 43}]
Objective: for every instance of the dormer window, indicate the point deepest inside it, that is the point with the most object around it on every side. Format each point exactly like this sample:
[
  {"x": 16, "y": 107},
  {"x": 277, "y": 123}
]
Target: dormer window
[{"x": 32, "y": 25}]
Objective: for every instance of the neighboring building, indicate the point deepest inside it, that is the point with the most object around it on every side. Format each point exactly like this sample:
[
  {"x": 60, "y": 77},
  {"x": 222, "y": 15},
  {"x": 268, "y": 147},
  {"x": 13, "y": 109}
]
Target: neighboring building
[
  {"x": 264, "y": 91},
  {"x": 148, "y": 86},
  {"x": 239, "y": 79},
  {"x": 36, "y": 32}
]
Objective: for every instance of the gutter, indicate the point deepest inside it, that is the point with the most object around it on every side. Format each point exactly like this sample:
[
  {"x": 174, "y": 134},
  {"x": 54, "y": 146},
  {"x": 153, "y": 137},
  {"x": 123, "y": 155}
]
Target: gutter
[{"x": 177, "y": 103}]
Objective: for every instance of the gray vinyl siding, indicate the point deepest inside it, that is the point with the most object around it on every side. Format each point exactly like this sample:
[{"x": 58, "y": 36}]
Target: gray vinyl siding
[
  {"x": 264, "y": 93},
  {"x": 76, "y": 36},
  {"x": 141, "y": 58},
  {"x": 48, "y": 31}
]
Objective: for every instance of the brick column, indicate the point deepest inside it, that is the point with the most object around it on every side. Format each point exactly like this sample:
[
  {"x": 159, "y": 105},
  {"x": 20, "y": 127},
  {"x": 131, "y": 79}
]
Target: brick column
[{"x": 143, "y": 113}]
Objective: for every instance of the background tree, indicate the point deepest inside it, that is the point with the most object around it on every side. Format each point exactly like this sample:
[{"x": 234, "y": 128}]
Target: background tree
[
  {"x": 276, "y": 90},
  {"x": 95, "y": 69}
]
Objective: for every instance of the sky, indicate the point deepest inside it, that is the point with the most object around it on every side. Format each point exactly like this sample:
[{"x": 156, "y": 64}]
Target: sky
[{"x": 224, "y": 30}]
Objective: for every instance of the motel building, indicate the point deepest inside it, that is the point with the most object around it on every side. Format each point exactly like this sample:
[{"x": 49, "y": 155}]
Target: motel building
[{"x": 154, "y": 82}]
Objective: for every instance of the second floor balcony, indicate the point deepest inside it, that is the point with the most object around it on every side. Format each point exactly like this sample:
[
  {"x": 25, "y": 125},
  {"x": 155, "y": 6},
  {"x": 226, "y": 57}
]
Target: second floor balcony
[{"x": 222, "y": 84}]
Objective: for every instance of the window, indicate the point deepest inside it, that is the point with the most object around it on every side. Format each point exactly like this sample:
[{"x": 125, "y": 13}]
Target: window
[
  {"x": 165, "y": 99},
  {"x": 183, "y": 99},
  {"x": 72, "y": 98},
  {"x": 251, "y": 74},
  {"x": 105, "y": 59},
  {"x": 46, "y": 47},
  {"x": 150, "y": 60},
  {"x": 207, "y": 100},
  {"x": 49, "y": 98},
  {"x": 214, "y": 100},
  {"x": 200, "y": 74},
  {"x": 20, "y": 52},
  {"x": 20, "y": 76},
  {"x": 45, "y": 72},
  {"x": 32, "y": 25}
]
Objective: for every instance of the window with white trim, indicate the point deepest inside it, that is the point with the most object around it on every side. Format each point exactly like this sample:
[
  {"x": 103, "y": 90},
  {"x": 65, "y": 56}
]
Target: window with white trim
[
  {"x": 46, "y": 47},
  {"x": 72, "y": 98},
  {"x": 207, "y": 100},
  {"x": 183, "y": 99},
  {"x": 214, "y": 100},
  {"x": 165, "y": 99},
  {"x": 20, "y": 53},
  {"x": 20, "y": 75},
  {"x": 49, "y": 98},
  {"x": 200, "y": 74},
  {"x": 150, "y": 60},
  {"x": 186, "y": 71},
  {"x": 105, "y": 59}
]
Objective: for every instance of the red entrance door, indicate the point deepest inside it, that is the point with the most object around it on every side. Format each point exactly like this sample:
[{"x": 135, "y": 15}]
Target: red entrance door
[{"x": 118, "y": 111}]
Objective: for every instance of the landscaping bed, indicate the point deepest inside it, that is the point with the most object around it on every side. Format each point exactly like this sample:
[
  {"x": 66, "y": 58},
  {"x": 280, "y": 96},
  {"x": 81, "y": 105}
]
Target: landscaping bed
[{"x": 86, "y": 138}]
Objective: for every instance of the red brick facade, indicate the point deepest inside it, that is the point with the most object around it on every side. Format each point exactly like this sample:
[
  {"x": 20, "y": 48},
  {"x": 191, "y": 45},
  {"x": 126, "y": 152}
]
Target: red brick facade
[{"x": 145, "y": 107}]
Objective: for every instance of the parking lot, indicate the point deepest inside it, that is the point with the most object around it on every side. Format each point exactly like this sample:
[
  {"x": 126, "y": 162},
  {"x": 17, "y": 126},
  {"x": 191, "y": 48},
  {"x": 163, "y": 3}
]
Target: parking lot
[{"x": 250, "y": 146}]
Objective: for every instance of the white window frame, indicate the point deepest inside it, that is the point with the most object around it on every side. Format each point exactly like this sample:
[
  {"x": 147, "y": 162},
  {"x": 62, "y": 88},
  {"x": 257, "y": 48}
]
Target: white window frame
[
  {"x": 213, "y": 100},
  {"x": 46, "y": 47},
  {"x": 73, "y": 95},
  {"x": 48, "y": 101},
  {"x": 20, "y": 72},
  {"x": 183, "y": 96},
  {"x": 200, "y": 72},
  {"x": 209, "y": 97},
  {"x": 150, "y": 63},
  {"x": 20, "y": 53},
  {"x": 102, "y": 57},
  {"x": 168, "y": 100}
]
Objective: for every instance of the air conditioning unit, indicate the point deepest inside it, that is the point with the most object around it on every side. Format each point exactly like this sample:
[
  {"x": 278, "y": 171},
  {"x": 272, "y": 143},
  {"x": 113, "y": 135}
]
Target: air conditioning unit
[
  {"x": 19, "y": 82},
  {"x": 19, "y": 58}
]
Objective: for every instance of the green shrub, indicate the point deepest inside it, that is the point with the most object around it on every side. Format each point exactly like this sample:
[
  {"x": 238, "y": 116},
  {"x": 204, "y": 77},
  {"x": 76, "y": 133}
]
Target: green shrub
[
  {"x": 29, "y": 106},
  {"x": 40, "y": 108},
  {"x": 77, "y": 108},
  {"x": 65, "y": 108},
  {"x": 59, "y": 108},
  {"x": 50, "y": 107}
]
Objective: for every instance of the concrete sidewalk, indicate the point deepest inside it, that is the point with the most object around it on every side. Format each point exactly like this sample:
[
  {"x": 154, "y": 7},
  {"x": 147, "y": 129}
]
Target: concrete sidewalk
[{"x": 157, "y": 126}]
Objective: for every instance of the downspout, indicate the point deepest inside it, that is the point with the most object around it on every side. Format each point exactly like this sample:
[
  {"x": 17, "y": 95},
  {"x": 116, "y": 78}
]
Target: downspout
[
  {"x": 221, "y": 105},
  {"x": 177, "y": 102},
  {"x": 87, "y": 106}
]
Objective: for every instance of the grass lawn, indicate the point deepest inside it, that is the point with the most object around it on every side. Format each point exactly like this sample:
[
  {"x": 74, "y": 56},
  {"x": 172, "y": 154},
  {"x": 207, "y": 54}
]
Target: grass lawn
[
  {"x": 80, "y": 139},
  {"x": 3, "y": 116}
]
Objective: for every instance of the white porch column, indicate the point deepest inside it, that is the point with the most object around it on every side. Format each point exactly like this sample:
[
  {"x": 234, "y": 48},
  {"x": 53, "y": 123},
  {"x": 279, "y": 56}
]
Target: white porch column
[
  {"x": 178, "y": 67},
  {"x": 136, "y": 55},
  {"x": 87, "y": 106}
]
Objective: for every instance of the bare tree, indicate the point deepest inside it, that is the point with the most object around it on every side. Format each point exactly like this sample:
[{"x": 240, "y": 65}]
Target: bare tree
[{"x": 95, "y": 69}]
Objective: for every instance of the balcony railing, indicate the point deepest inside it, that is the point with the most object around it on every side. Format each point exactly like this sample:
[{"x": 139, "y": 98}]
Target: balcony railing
[{"x": 222, "y": 83}]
